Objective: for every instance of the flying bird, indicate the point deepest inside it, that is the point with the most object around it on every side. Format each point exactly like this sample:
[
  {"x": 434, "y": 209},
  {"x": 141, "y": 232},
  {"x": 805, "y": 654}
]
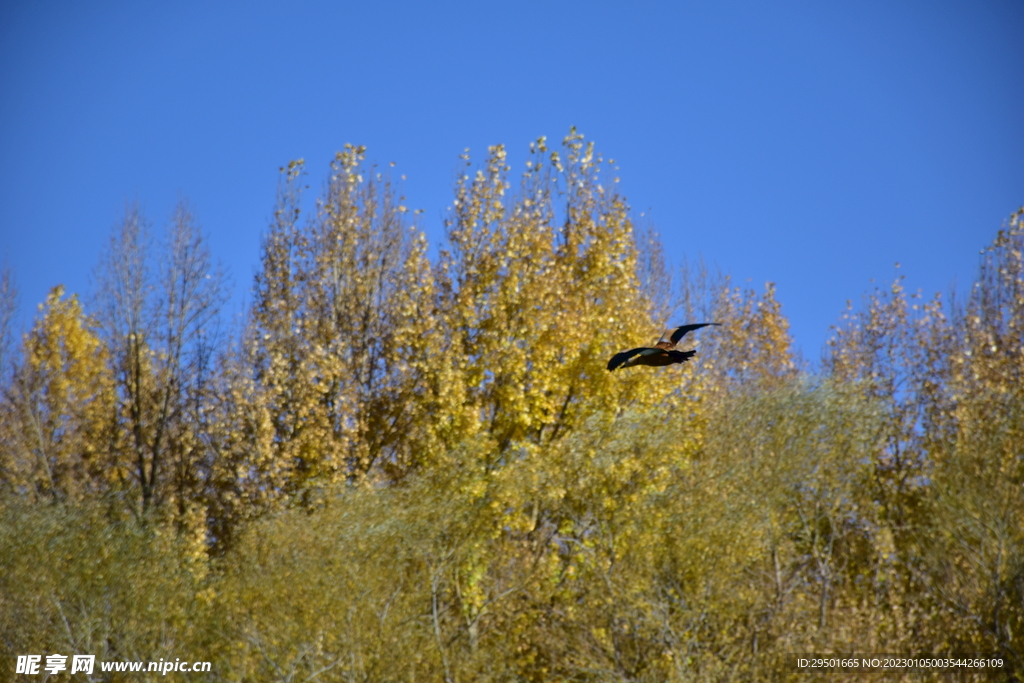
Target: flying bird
[{"x": 662, "y": 353}]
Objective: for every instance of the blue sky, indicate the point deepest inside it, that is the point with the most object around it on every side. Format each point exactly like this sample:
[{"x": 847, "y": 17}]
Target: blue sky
[{"x": 810, "y": 144}]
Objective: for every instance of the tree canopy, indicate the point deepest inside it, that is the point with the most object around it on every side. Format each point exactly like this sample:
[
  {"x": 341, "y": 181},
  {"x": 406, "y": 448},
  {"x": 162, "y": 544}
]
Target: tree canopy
[{"x": 415, "y": 467}]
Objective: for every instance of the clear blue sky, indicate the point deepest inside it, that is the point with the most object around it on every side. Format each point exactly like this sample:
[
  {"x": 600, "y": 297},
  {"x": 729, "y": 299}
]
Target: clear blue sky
[{"x": 812, "y": 144}]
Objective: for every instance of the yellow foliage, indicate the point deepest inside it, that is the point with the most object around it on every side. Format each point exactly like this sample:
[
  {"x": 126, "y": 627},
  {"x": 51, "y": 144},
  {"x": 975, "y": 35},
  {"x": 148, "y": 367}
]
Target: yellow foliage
[
  {"x": 60, "y": 418},
  {"x": 417, "y": 469}
]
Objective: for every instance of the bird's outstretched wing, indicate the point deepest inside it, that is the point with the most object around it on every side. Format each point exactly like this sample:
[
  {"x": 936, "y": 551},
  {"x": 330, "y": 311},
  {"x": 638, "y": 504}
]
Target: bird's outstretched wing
[
  {"x": 681, "y": 331},
  {"x": 681, "y": 356},
  {"x": 620, "y": 358}
]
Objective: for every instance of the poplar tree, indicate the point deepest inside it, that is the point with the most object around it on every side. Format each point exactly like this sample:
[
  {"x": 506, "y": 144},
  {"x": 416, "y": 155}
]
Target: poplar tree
[
  {"x": 160, "y": 330},
  {"x": 59, "y": 409}
]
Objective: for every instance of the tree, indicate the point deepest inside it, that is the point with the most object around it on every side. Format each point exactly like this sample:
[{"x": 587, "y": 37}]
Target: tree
[
  {"x": 977, "y": 515},
  {"x": 326, "y": 324},
  {"x": 160, "y": 332},
  {"x": 59, "y": 409}
]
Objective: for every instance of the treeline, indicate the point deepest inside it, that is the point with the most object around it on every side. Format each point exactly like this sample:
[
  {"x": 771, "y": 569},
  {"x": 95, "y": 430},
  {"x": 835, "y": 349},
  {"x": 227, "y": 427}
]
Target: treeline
[{"x": 413, "y": 468}]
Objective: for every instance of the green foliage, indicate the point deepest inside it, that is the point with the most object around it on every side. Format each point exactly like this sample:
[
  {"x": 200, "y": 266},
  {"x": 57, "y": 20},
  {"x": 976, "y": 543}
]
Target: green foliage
[
  {"x": 73, "y": 582},
  {"x": 416, "y": 469}
]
